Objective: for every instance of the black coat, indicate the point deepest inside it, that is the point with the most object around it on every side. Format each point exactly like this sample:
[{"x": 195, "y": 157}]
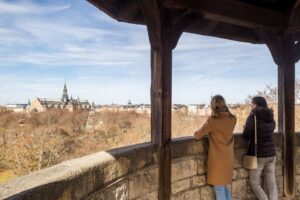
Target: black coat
[{"x": 265, "y": 130}]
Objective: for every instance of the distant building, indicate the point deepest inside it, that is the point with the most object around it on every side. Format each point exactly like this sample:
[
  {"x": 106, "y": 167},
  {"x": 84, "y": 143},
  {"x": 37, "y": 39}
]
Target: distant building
[
  {"x": 16, "y": 107},
  {"x": 144, "y": 109},
  {"x": 129, "y": 107},
  {"x": 44, "y": 104},
  {"x": 198, "y": 110},
  {"x": 179, "y": 108}
]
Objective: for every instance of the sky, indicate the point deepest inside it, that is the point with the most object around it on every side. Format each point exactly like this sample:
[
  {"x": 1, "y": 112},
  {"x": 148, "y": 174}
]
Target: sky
[{"x": 44, "y": 43}]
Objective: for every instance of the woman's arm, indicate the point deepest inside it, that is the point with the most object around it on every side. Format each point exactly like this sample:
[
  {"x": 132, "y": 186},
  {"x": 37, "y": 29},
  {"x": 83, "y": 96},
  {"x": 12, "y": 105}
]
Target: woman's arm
[
  {"x": 249, "y": 127},
  {"x": 205, "y": 129}
]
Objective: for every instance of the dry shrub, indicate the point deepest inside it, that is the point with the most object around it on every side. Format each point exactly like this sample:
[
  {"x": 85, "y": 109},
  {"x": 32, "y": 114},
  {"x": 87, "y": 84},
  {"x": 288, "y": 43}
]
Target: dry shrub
[
  {"x": 47, "y": 138},
  {"x": 41, "y": 140}
]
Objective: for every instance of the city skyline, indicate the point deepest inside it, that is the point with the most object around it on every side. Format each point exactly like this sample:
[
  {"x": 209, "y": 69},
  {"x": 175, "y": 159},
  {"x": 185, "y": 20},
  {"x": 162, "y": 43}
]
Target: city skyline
[{"x": 44, "y": 43}]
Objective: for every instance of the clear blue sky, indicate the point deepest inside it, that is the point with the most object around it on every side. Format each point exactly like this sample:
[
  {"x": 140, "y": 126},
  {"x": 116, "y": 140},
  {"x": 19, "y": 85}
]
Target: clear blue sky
[{"x": 46, "y": 42}]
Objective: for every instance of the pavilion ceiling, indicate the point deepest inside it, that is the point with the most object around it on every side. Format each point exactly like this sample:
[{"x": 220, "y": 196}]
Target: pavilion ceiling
[{"x": 228, "y": 19}]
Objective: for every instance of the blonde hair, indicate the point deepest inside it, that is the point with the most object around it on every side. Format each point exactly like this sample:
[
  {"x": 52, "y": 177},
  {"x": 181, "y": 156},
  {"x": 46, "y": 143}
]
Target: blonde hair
[{"x": 218, "y": 104}]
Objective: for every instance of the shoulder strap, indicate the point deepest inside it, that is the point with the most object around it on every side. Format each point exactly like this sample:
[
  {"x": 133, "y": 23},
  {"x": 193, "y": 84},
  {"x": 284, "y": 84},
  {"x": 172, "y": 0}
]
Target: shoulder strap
[{"x": 255, "y": 135}]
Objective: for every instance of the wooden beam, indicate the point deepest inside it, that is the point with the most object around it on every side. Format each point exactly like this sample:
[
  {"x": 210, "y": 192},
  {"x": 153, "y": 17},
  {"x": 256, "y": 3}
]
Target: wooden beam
[
  {"x": 185, "y": 20},
  {"x": 153, "y": 20},
  {"x": 128, "y": 10},
  {"x": 227, "y": 31},
  {"x": 233, "y": 12},
  {"x": 297, "y": 52},
  {"x": 106, "y": 7},
  {"x": 273, "y": 42},
  {"x": 294, "y": 18},
  {"x": 198, "y": 25}
]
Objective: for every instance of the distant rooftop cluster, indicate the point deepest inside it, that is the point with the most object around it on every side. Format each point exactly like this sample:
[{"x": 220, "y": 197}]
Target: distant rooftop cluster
[
  {"x": 65, "y": 103},
  {"x": 45, "y": 104}
]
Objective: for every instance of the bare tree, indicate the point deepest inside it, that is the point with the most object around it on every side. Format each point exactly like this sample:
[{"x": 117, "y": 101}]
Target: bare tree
[{"x": 269, "y": 92}]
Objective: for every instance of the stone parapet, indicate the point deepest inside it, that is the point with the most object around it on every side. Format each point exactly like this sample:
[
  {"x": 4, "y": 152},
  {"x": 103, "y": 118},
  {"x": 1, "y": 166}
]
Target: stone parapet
[{"x": 132, "y": 173}]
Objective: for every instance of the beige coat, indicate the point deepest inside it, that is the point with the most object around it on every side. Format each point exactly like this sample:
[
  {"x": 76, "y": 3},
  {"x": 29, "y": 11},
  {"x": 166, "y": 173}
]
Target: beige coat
[{"x": 220, "y": 152}]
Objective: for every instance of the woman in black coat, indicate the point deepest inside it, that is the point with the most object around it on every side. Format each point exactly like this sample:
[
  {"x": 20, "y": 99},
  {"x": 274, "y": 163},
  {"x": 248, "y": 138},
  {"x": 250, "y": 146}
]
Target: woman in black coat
[{"x": 266, "y": 153}]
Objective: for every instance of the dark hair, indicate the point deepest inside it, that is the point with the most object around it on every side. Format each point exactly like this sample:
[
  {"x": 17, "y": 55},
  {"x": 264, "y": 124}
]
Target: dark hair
[{"x": 260, "y": 101}]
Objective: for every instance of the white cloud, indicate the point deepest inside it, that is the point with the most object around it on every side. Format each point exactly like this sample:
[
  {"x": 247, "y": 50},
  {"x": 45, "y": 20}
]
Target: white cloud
[
  {"x": 104, "y": 60},
  {"x": 28, "y": 7}
]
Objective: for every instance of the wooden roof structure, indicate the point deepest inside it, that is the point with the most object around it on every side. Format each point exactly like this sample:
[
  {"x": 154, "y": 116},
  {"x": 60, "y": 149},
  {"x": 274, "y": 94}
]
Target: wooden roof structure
[
  {"x": 275, "y": 23},
  {"x": 228, "y": 19}
]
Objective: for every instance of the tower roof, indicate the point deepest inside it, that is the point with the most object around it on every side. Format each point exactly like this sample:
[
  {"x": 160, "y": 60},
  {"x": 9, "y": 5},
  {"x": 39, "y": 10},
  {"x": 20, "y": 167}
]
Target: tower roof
[{"x": 65, "y": 96}]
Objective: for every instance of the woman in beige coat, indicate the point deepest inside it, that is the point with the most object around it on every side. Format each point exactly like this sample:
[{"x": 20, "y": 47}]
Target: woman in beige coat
[{"x": 219, "y": 128}]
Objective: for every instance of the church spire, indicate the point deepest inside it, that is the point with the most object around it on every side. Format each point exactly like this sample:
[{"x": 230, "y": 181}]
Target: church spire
[{"x": 65, "y": 97}]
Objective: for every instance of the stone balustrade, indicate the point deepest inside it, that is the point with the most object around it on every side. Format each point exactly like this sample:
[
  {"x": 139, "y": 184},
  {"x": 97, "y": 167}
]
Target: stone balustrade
[{"x": 132, "y": 173}]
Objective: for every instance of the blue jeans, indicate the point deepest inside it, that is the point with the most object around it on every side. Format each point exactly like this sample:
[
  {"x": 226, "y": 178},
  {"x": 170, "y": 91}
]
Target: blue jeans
[{"x": 222, "y": 193}]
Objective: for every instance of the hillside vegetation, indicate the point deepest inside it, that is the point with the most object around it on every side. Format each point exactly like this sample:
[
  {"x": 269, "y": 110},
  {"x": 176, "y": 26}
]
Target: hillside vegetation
[{"x": 29, "y": 142}]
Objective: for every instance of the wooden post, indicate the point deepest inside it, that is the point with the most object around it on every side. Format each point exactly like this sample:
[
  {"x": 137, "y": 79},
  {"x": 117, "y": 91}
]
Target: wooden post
[
  {"x": 287, "y": 96},
  {"x": 161, "y": 104},
  {"x": 159, "y": 28},
  {"x": 164, "y": 33},
  {"x": 280, "y": 100},
  {"x": 283, "y": 52}
]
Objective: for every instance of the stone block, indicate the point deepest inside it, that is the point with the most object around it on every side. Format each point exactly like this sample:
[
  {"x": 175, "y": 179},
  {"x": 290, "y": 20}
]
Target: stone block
[
  {"x": 79, "y": 187},
  {"x": 143, "y": 182},
  {"x": 66, "y": 195},
  {"x": 207, "y": 193},
  {"x": 298, "y": 184},
  {"x": 297, "y": 155},
  {"x": 198, "y": 181},
  {"x": 84, "y": 184},
  {"x": 238, "y": 158},
  {"x": 235, "y": 174},
  {"x": 198, "y": 147},
  {"x": 201, "y": 166},
  {"x": 115, "y": 191},
  {"x": 193, "y": 194},
  {"x": 298, "y": 169},
  {"x": 242, "y": 173},
  {"x": 278, "y": 170},
  {"x": 183, "y": 169},
  {"x": 279, "y": 181},
  {"x": 149, "y": 196},
  {"x": 187, "y": 147},
  {"x": 181, "y": 185},
  {"x": 239, "y": 189},
  {"x": 112, "y": 169},
  {"x": 278, "y": 157}
]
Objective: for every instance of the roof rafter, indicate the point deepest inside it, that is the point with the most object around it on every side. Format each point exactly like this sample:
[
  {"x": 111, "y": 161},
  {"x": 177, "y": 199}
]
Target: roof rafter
[
  {"x": 128, "y": 10},
  {"x": 294, "y": 21},
  {"x": 106, "y": 7},
  {"x": 233, "y": 12},
  {"x": 196, "y": 23}
]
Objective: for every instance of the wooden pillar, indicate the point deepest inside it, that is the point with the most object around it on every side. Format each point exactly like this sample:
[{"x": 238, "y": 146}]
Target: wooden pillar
[
  {"x": 160, "y": 36},
  {"x": 164, "y": 33},
  {"x": 283, "y": 52},
  {"x": 287, "y": 104},
  {"x": 280, "y": 101},
  {"x": 161, "y": 104}
]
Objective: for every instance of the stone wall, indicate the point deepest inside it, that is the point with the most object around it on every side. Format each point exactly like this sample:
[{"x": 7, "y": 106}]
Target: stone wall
[
  {"x": 132, "y": 173},
  {"x": 189, "y": 169},
  {"x": 125, "y": 173}
]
